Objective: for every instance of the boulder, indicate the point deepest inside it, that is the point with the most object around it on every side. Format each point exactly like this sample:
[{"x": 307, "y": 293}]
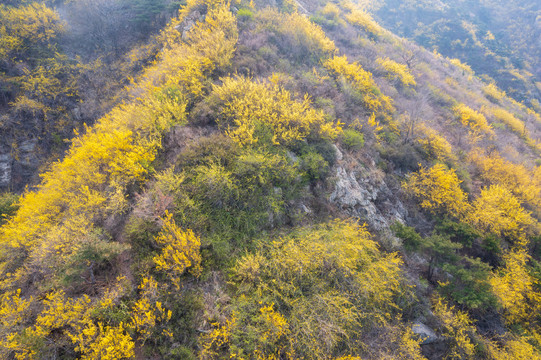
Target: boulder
[{"x": 426, "y": 334}]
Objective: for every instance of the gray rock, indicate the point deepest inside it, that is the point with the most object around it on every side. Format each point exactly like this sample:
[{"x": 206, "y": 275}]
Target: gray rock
[
  {"x": 358, "y": 191},
  {"x": 357, "y": 199},
  {"x": 338, "y": 153},
  {"x": 306, "y": 209},
  {"x": 27, "y": 154},
  {"x": 28, "y": 146},
  {"x": 5, "y": 170},
  {"x": 292, "y": 156},
  {"x": 427, "y": 335}
]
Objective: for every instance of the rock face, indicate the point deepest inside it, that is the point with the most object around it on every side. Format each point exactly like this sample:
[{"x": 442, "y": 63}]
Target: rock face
[
  {"x": 426, "y": 334},
  {"x": 5, "y": 170},
  {"x": 17, "y": 170},
  {"x": 189, "y": 22},
  {"x": 361, "y": 193}
]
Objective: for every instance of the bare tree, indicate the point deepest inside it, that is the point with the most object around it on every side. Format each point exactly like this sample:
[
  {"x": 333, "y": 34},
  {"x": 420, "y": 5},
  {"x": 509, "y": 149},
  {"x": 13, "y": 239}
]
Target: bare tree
[{"x": 415, "y": 111}]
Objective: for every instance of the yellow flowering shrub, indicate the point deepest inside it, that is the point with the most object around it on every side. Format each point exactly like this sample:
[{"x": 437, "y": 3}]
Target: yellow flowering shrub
[
  {"x": 305, "y": 294},
  {"x": 434, "y": 144},
  {"x": 516, "y": 348},
  {"x": 397, "y": 71},
  {"x": 514, "y": 177},
  {"x": 497, "y": 211},
  {"x": 101, "y": 342},
  {"x": 473, "y": 120},
  {"x": 13, "y": 309},
  {"x": 180, "y": 251},
  {"x": 148, "y": 312},
  {"x": 60, "y": 315},
  {"x": 516, "y": 289},
  {"x": 309, "y": 34},
  {"x": 408, "y": 345},
  {"x": 14, "y": 313},
  {"x": 364, "y": 20},
  {"x": 458, "y": 329},
  {"x": 253, "y": 112},
  {"x": 214, "y": 341},
  {"x": 302, "y": 37},
  {"x": 493, "y": 92},
  {"x": 464, "y": 67},
  {"x": 438, "y": 191},
  {"x": 362, "y": 81},
  {"x": 276, "y": 325},
  {"x": 26, "y": 28},
  {"x": 331, "y": 11},
  {"x": 504, "y": 116}
]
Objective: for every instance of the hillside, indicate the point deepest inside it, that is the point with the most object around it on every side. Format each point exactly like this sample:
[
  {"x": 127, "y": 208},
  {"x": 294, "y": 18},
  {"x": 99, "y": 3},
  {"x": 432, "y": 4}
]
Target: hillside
[
  {"x": 266, "y": 180},
  {"x": 500, "y": 40}
]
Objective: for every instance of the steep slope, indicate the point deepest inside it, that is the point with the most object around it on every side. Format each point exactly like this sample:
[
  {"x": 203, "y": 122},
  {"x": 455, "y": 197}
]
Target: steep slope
[
  {"x": 62, "y": 67},
  {"x": 193, "y": 219},
  {"x": 500, "y": 40}
]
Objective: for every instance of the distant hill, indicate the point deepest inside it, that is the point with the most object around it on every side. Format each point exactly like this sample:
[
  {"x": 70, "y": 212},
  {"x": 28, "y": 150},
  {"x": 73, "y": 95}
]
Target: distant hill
[{"x": 498, "y": 39}]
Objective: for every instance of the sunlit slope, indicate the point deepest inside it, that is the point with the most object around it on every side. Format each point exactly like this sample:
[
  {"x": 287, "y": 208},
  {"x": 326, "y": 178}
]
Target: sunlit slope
[{"x": 201, "y": 217}]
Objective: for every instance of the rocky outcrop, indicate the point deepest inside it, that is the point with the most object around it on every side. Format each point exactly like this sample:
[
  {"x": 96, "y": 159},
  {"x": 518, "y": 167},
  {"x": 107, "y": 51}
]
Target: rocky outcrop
[
  {"x": 5, "y": 170},
  {"x": 426, "y": 334},
  {"x": 19, "y": 165},
  {"x": 189, "y": 22},
  {"x": 361, "y": 192}
]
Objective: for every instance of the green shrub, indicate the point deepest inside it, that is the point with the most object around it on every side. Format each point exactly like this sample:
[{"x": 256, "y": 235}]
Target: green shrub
[
  {"x": 219, "y": 149},
  {"x": 141, "y": 232},
  {"x": 181, "y": 352},
  {"x": 352, "y": 139},
  {"x": 470, "y": 286},
  {"x": 412, "y": 240},
  {"x": 458, "y": 232},
  {"x": 405, "y": 157},
  {"x": 245, "y": 14},
  {"x": 324, "y": 148},
  {"x": 332, "y": 274},
  {"x": 95, "y": 253},
  {"x": 314, "y": 166},
  {"x": 491, "y": 243},
  {"x": 8, "y": 206},
  {"x": 323, "y": 21}
]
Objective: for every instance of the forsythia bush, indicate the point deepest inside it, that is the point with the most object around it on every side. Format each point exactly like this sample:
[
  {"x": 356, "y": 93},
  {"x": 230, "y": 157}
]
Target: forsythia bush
[
  {"x": 253, "y": 112},
  {"x": 514, "y": 177},
  {"x": 397, "y": 71},
  {"x": 434, "y": 144},
  {"x": 517, "y": 290},
  {"x": 27, "y": 28},
  {"x": 438, "y": 191},
  {"x": 148, "y": 312},
  {"x": 496, "y": 210},
  {"x": 493, "y": 92},
  {"x": 516, "y": 348},
  {"x": 362, "y": 81},
  {"x": 363, "y": 19},
  {"x": 299, "y": 35},
  {"x": 458, "y": 330},
  {"x": 180, "y": 251},
  {"x": 516, "y": 125},
  {"x": 304, "y": 295},
  {"x": 475, "y": 121},
  {"x": 106, "y": 343},
  {"x": 464, "y": 67}
]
